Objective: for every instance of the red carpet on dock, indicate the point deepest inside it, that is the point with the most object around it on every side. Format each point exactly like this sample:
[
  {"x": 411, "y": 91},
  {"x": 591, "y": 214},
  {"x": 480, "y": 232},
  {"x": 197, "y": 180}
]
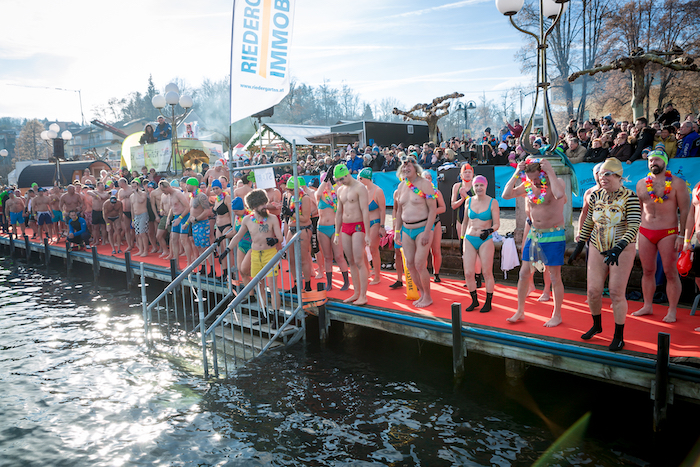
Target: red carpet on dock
[{"x": 640, "y": 332}]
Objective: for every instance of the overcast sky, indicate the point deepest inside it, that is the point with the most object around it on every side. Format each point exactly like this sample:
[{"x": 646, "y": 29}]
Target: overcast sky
[{"x": 410, "y": 50}]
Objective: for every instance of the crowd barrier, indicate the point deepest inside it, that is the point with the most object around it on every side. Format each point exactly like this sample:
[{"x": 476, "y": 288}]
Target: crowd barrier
[{"x": 688, "y": 169}]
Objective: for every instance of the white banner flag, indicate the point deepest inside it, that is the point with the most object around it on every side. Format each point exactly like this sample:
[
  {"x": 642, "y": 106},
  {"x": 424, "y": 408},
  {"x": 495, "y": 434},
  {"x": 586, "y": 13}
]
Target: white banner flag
[{"x": 260, "y": 46}]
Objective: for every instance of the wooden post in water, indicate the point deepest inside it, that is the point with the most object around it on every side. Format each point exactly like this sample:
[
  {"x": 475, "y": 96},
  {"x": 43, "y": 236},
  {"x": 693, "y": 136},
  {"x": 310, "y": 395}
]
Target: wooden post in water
[
  {"x": 661, "y": 395},
  {"x": 12, "y": 244},
  {"x": 173, "y": 269},
  {"x": 95, "y": 263},
  {"x": 47, "y": 252},
  {"x": 129, "y": 272},
  {"x": 457, "y": 342},
  {"x": 28, "y": 250},
  {"x": 323, "y": 322},
  {"x": 69, "y": 260}
]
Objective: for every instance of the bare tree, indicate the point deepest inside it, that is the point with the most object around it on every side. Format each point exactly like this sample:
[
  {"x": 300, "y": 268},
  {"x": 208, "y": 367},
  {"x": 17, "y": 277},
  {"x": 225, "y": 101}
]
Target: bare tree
[{"x": 432, "y": 112}]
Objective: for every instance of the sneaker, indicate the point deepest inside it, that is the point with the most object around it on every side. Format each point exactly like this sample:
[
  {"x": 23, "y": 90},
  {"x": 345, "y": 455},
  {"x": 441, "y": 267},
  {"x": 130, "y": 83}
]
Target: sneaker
[{"x": 396, "y": 285}]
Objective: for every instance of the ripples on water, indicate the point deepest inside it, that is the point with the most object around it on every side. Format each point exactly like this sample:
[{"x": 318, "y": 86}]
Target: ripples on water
[{"x": 80, "y": 388}]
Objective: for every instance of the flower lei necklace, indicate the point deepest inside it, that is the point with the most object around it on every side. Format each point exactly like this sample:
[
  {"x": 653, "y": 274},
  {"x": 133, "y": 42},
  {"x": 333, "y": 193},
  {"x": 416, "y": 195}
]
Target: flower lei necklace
[
  {"x": 667, "y": 187},
  {"x": 418, "y": 191},
  {"x": 528, "y": 185},
  {"x": 331, "y": 199},
  {"x": 256, "y": 220},
  {"x": 292, "y": 202},
  {"x": 196, "y": 192},
  {"x": 220, "y": 197}
]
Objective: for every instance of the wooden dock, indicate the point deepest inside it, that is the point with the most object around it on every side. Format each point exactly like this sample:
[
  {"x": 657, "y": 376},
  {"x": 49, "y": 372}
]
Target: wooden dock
[{"x": 520, "y": 344}]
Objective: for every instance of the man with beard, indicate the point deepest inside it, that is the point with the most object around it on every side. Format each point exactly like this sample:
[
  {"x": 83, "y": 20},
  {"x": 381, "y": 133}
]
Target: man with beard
[{"x": 661, "y": 195}]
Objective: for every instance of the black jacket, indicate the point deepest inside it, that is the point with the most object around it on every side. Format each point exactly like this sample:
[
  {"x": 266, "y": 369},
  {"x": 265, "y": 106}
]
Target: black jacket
[
  {"x": 596, "y": 155},
  {"x": 644, "y": 140}
]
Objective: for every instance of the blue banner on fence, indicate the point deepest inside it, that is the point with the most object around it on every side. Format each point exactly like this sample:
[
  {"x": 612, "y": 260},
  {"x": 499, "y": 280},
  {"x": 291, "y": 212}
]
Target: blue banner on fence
[{"x": 688, "y": 169}]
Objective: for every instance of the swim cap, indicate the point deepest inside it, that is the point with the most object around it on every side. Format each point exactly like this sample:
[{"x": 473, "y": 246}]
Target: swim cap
[
  {"x": 251, "y": 176},
  {"x": 480, "y": 179},
  {"x": 237, "y": 204},
  {"x": 136, "y": 180},
  {"x": 660, "y": 154},
  {"x": 193, "y": 181},
  {"x": 365, "y": 173},
  {"x": 216, "y": 184},
  {"x": 174, "y": 183},
  {"x": 340, "y": 170},
  {"x": 151, "y": 185},
  {"x": 596, "y": 168},
  {"x": 300, "y": 181},
  {"x": 114, "y": 192}
]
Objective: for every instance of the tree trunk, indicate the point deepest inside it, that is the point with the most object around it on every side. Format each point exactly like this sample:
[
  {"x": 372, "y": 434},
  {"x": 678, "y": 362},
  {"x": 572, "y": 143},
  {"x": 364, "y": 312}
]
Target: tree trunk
[
  {"x": 433, "y": 130},
  {"x": 569, "y": 96},
  {"x": 638, "y": 92}
]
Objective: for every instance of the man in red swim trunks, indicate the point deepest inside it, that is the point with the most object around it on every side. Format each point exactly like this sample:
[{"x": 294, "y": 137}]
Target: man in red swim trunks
[
  {"x": 662, "y": 195},
  {"x": 352, "y": 220}
]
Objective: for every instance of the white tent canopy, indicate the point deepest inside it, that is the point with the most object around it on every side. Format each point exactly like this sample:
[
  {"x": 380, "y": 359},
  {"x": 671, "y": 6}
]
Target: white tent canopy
[{"x": 272, "y": 134}]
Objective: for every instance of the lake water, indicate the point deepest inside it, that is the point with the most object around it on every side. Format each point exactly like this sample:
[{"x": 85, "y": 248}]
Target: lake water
[{"x": 80, "y": 387}]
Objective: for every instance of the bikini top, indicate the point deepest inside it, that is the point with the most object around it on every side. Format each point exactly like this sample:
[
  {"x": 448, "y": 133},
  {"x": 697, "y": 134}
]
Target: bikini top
[
  {"x": 222, "y": 209},
  {"x": 323, "y": 205},
  {"x": 373, "y": 203},
  {"x": 483, "y": 216}
]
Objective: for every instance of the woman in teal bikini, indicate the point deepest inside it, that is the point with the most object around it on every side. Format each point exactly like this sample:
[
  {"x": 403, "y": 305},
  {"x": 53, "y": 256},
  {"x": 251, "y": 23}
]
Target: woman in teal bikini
[
  {"x": 482, "y": 218},
  {"x": 377, "y": 213},
  {"x": 327, "y": 205},
  {"x": 436, "y": 247}
]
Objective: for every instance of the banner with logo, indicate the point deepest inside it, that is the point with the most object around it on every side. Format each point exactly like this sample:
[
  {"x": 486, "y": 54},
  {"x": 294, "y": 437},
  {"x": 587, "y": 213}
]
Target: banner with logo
[
  {"x": 157, "y": 155},
  {"x": 260, "y": 46}
]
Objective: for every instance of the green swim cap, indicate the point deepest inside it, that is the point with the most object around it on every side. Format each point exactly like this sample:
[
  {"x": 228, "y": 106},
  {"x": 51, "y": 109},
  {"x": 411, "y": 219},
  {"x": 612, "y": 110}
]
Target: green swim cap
[
  {"x": 340, "y": 170},
  {"x": 365, "y": 173},
  {"x": 251, "y": 176},
  {"x": 300, "y": 181},
  {"x": 193, "y": 181}
]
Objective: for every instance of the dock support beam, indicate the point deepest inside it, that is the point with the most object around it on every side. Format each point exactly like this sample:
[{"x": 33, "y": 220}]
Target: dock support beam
[
  {"x": 69, "y": 260},
  {"x": 28, "y": 251},
  {"x": 129, "y": 272},
  {"x": 173, "y": 269},
  {"x": 515, "y": 369},
  {"x": 661, "y": 386},
  {"x": 457, "y": 342},
  {"x": 12, "y": 244},
  {"x": 47, "y": 253},
  {"x": 95, "y": 263},
  {"x": 323, "y": 322}
]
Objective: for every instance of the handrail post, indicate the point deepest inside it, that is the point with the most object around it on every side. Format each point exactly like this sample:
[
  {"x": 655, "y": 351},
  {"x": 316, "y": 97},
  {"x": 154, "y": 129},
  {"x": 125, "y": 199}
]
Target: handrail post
[
  {"x": 202, "y": 326},
  {"x": 457, "y": 342},
  {"x": 144, "y": 302}
]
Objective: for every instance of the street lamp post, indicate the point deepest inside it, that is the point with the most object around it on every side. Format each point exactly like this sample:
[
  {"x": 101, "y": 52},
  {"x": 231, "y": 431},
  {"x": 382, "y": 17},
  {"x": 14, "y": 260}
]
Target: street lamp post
[
  {"x": 172, "y": 98},
  {"x": 471, "y": 105},
  {"x": 57, "y": 146},
  {"x": 552, "y": 9}
]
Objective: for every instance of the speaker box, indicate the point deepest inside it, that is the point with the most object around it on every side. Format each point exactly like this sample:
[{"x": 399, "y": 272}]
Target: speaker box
[{"x": 446, "y": 180}]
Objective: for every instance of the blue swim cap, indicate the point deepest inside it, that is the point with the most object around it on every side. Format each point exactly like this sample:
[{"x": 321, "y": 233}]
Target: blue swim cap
[
  {"x": 237, "y": 204},
  {"x": 216, "y": 184},
  {"x": 175, "y": 184}
]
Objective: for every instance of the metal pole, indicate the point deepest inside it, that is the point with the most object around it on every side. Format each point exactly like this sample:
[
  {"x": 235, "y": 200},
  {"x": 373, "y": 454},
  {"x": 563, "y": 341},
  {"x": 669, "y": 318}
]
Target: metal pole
[
  {"x": 297, "y": 244},
  {"x": 202, "y": 326},
  {"x": 457, "y": 350},
  {"x": 144, "y": 302}
]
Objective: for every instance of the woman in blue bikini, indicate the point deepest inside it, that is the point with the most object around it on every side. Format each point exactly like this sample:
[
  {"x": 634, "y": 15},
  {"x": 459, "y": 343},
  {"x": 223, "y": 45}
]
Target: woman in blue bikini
[
  {"x": 482, "y": 218},
  {"x": 327, "y": 205},
  {"x": 377, "y": 213}
]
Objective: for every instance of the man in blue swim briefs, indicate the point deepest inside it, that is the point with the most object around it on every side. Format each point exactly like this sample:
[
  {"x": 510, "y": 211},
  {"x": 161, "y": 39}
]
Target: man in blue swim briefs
[{"x": 545, "y": 194}]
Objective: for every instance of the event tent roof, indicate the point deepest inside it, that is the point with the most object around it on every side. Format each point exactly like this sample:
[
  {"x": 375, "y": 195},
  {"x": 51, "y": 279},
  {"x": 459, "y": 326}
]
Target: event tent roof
[{"x": 276, "y": 133}]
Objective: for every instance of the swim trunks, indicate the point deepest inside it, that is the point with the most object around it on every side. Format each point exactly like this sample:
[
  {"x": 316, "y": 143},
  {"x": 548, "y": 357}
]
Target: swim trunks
[
  {"x": 163, "y": 223},
  {"x": 258, "y": 260},
  {"x": 350, "y": 228},
  {"x": 44, "y": 218},
  {"x": 140, "y": 223},
  {"x": 200, "y": 233},
  {"x": 16, "y": 218},
  {"x": 551, "y": 242},
  {"x": 97, "y": 217},
  {"x": 57, "y": 216},
  {"x": 127, "y": 214},
  {"x": 87, "y": 216},
  {"x": 654, "y": 236},
  {"x": 181, "y": 228}
]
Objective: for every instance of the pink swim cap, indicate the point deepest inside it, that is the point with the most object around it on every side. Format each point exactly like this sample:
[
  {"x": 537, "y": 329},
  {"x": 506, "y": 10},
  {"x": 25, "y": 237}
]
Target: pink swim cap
[{"x": 480, "y": 179}]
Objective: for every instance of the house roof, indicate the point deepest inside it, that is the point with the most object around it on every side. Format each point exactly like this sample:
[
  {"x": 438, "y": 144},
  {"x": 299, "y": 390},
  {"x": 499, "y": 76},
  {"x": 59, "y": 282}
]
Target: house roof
[{"x": 287, "y": 133}]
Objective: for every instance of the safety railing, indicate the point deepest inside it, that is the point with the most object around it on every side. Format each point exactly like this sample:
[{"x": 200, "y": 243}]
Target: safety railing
[{"x": 237, "y": 318}]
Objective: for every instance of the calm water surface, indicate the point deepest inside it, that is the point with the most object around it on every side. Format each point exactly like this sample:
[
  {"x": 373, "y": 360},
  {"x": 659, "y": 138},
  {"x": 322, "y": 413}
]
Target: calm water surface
[{"x": 79, "y": 387}]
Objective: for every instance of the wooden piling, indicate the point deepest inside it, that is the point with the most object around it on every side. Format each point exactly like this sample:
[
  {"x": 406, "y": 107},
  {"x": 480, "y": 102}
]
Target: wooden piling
[
  {"x": 47, "y": 252},
  {"x": 27, "y": 249},
  {"x": 129, "y": 272},
  {"x": 69, "y": 260},
  {"x": 95, "y": 263},
  {"x": 323, "y": 322},
  {"x": 661, "y": 393},
  {"x": 457, "y": 342}
]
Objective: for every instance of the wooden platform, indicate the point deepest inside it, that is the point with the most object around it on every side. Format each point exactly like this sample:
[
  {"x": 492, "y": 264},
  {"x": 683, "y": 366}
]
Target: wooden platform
[{"x": 527, "y": 342}]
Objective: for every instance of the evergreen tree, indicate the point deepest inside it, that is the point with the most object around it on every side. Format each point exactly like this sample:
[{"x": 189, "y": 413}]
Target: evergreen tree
[{"x": 29, "y": 145}]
